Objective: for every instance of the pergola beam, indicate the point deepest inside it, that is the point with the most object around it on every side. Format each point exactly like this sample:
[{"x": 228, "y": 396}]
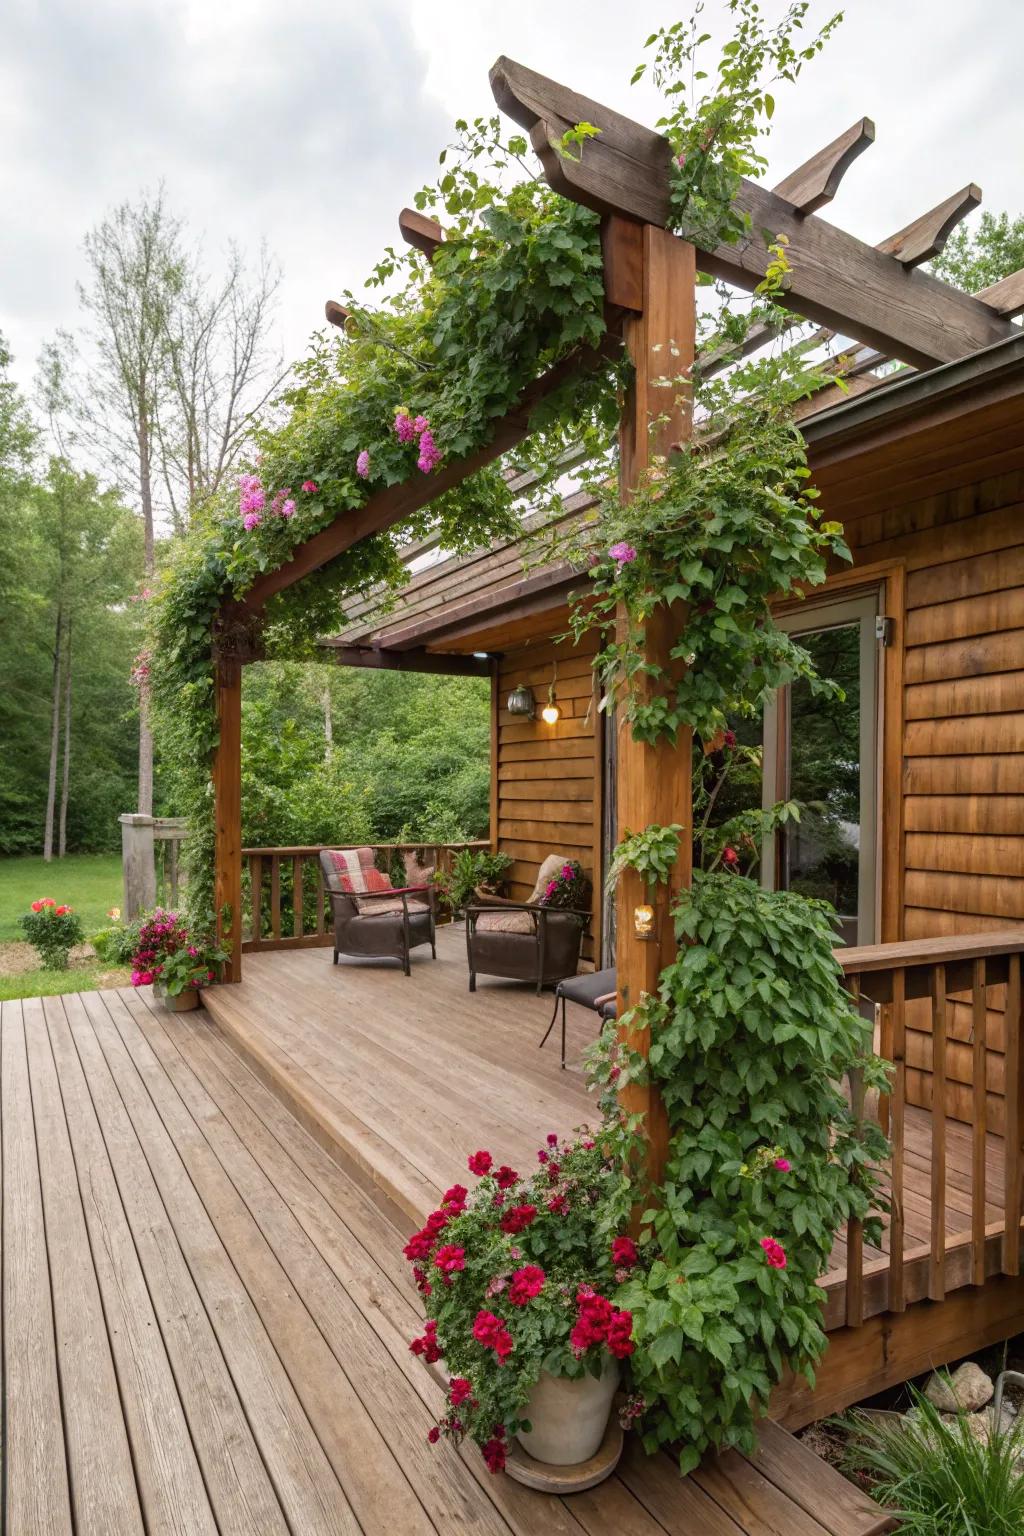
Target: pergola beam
[
  {"x": 397, "y": 502},
  {"x": 419, "y": 231},
  {"x": 384, "y": 659},
  {"x": 926, "y": 236},
  {"x": 836, "y": 279}
]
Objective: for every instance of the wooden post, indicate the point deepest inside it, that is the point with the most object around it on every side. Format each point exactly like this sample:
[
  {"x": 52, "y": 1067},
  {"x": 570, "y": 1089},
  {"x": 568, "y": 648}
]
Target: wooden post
[
  {"x": 653, "y": 782},
  {"x": 227, "y": 793},
  {"x": 138, "y": 864}
]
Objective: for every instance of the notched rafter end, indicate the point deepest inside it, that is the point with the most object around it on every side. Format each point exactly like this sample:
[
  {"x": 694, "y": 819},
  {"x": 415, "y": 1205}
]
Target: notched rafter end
[
  {"x": 336, "y": 313},
  {"x": 420, "y": 232},
  {"x": 816, "y": 182},
  {"x": 926, "y": 236}
]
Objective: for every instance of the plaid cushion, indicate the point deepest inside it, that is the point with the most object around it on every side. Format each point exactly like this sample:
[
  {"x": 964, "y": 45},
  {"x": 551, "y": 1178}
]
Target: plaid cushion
[{"x": 356, "y": 872}]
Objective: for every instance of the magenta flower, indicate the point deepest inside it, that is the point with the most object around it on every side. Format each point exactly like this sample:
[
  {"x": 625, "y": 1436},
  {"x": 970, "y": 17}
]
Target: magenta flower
[
  {"x": 404, "y": 429},
  {"x": 622, "y": 554},
  {"x": 421, "y": 425},
  {"x": 774, "y": 1253},
  {"x": 783, "y": 1164},
  {"x": 252, "y": 520},
  {"x": 429, "y": 457},
  {"x": 363, "y": 465},
  {"x": 310, "y": 487},
  {"x": 287, "y": 508},
  {"x": 251, "y": 496}
]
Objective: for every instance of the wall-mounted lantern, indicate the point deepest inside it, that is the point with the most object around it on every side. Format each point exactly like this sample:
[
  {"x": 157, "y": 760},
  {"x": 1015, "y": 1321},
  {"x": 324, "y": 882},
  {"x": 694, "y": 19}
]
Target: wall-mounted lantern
[
  {"x": 521, "y": 702},
  {"x": 643, "y": 921}
]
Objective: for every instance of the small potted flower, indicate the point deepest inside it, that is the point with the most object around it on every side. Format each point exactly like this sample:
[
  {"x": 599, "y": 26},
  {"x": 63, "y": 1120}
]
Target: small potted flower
[
  {"x": 568, "y": 887},
  {"x": 516, "y": 1279},
  {"x": 174, "y": 963},
  {"x": 53, "y": 931}
]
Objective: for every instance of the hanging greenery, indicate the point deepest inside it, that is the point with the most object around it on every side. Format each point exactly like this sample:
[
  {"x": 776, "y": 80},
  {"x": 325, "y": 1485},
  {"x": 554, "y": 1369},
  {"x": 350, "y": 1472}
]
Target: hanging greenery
[{"x": 414, "y": 383}]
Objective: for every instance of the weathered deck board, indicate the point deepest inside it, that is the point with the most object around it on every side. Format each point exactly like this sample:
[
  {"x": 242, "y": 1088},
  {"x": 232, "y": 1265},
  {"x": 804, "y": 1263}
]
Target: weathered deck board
[{"x": 206, "y": 1319}]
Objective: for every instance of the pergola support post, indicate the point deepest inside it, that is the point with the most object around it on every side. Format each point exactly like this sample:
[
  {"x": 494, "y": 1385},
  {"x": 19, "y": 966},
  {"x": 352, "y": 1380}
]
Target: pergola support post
[
  {"x": 227, "y": 798},
  {"x": 653, "y": 781}
]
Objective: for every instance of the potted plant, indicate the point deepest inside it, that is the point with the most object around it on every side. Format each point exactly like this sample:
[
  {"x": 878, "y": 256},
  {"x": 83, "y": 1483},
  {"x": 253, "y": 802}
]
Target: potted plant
[
  {"x": 53, "y": 931},
  {"x": 476, "y": 873},
  {"x": 516, "y": 1279},
  {"x": 176, "y": 964}
]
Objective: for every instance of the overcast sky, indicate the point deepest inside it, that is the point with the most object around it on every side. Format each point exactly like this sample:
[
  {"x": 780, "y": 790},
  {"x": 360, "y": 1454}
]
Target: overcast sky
[{"x": 311, "y": 122}]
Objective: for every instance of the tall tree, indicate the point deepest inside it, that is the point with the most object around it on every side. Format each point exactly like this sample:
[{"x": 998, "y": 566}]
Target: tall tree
[
  {"x": 977, "y": 255},
  {"x": 137, "y": 274}
]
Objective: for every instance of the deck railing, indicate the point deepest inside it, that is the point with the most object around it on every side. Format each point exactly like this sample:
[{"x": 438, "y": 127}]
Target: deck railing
[
  {"x": 286, "y": 901},
  {"x": 976, "y": 981}
]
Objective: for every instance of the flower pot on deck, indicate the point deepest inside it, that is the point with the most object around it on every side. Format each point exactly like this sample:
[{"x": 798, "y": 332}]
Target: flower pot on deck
[
  {"x": 569, "y": 1416},
  {"x": 183, "y": 1002}
]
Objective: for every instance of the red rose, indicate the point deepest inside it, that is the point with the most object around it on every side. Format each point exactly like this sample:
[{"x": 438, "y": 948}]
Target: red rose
[
  {"x": 61, "y": 910},
  {"x": 37, "y": 906}
]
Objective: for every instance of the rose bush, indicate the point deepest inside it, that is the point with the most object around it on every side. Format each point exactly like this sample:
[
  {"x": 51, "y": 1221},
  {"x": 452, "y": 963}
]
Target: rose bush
[
  {"x": 53, "y": 931},
  {"x": 519, "y": 1277}
]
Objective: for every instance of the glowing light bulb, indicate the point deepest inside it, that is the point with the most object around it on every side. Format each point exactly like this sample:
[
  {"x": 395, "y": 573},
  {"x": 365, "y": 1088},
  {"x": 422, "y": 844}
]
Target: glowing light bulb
[
  {"x": 551, "y": 714},
  {"x": 643, "y": 921}
]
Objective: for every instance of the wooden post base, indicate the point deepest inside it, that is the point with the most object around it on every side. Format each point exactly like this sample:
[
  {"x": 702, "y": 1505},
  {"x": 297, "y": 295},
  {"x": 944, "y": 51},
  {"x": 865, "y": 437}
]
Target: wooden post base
[{"x": 545, "y": 1478}]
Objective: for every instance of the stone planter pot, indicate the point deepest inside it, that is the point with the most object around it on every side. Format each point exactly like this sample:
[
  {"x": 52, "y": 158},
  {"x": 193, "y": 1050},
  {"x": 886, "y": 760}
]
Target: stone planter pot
[
  {"x": 184, "y": 1002},
  {"x": 569, "y": 1418}
]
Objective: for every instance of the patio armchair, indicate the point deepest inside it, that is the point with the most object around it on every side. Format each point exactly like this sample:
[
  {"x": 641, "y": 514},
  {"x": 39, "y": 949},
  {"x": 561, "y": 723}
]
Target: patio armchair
[
  {"x": 371, "y": 916},
  {"x": 525, "y": 940},
  {"x": 595, "y": 990}
]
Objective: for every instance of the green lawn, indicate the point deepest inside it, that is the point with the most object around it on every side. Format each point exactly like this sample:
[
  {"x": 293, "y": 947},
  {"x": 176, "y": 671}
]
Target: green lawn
[
  {"x": 84, "y": 978},
  {"x": 89, "y": 882}
]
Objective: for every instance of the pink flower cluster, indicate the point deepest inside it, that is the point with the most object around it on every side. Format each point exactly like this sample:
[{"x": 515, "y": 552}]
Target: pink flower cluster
[
  {"x": 252, "y": 500},
  {"x": 409, "y": 429},
  {"x": 622, "y": 553},
  {"x": 139, "y": 674},
  {"x": 598, "y": 1322},
  {"x": 774, "y": 1253},
  {"x": 363, "y": 464}
]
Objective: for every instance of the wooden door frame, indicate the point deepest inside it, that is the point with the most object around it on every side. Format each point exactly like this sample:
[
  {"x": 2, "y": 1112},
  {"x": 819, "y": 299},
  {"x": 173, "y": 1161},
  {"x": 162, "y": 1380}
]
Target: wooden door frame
[{"x": 890, "y": 577}]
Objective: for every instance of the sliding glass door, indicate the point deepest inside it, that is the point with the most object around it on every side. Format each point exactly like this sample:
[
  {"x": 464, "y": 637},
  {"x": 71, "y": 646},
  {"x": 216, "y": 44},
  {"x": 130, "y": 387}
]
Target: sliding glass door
[{"x": 823, "y": 751}]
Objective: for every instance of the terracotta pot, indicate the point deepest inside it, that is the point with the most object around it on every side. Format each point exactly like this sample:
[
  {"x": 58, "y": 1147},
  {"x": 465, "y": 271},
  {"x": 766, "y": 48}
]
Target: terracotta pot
[
  {"x": 569, "y": 1417},
  {"x": 184, "y": 1002}
]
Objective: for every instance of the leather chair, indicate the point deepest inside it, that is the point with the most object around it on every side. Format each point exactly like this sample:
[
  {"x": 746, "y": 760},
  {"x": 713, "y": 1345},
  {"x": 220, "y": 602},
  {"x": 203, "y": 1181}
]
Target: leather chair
[
  {"x": 376, "y": 919},
  {"x": 525, "y": 940}
]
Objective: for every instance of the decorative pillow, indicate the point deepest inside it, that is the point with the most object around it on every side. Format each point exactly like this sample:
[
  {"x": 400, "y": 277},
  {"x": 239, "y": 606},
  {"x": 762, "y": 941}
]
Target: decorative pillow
[
  {"x": 357, "y": 875},
  {"x": 415, "y": 872}
]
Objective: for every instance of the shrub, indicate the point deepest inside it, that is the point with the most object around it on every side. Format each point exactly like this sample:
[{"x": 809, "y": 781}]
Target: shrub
[
  {"x": 751, "y": 1037},
  {"x": 116, "y": 945},
  {"x": 516, "y": 1280},
  {"x": 938, "y": 1477},
  {"x": 53, "y": 931},
  {"x": 471, "y": 869}
]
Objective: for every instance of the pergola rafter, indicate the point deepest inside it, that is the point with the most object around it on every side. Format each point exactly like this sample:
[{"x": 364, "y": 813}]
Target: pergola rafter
[{"x": 837, "y": 280}]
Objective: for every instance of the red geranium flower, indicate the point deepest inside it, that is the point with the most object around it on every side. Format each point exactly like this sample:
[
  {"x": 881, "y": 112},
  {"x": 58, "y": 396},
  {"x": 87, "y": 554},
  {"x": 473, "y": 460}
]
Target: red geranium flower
[
  {"x": 491, "y": 1332},
  {"x": 427, "y": 1346},
  {"x": 620, "y": 1335},
  {"x": 480, "y": 1163},
  {"x": 506, "y": 1177},
  {"x": 456, "y": 1195},
  {"x": 624, "y": 1253},
  {"x": 458, "y": 1390},
  {"x": 493, "y": 1453},
  {"x": 774, "y": 1252},
  {"x": 449, "y": 1259},
  {"x": 519, "y": 1217},
  {"x": 525, "y": 1284}
]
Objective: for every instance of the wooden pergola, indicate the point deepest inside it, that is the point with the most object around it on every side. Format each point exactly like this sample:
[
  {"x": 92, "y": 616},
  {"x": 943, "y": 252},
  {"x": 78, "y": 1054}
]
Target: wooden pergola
[{"x": 877, "y": 297}]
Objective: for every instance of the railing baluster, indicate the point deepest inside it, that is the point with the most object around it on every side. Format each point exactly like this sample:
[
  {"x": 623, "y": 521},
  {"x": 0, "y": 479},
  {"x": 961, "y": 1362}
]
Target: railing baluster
[
  {"x": 1013, "y": 1088},
  {"x": 275, "y": 896},
  {"x": 937, "y": 1264},
  {"x": 897, "y": 1101},
  {"x": 319, "y": 898},
  {"x": 979, "y": 1140},
  {"x": 172, "y": 858},
  {"x": 256, "y": 890},
  {"x": 297, "y": 896},
  {"x": 855, "y": 1226}
]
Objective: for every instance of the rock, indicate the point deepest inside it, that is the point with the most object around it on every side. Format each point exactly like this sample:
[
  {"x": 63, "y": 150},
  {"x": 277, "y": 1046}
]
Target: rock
[{"x": 968, "y": 1388}]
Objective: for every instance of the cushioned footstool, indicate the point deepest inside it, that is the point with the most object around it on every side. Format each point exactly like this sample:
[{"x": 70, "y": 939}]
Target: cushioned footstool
[{"x": 594, "y": 990}]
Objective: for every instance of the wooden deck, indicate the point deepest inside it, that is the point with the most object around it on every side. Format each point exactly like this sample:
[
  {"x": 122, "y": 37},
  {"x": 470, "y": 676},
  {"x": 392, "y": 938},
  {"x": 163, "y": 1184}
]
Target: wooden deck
[
  {"x": 347, "y": 1046},
  {"x": 206, "y": 1320}
]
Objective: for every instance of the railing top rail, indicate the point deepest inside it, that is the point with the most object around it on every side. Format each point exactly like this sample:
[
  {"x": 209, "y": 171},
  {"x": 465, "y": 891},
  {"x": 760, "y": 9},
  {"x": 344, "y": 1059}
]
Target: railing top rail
[
  {"x": 942, "y": 951},
  {"x": 396, "y": 847}
]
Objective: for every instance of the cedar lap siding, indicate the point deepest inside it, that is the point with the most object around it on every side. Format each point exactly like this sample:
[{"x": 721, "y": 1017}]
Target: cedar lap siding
[{"x": 926, "y": 472}]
